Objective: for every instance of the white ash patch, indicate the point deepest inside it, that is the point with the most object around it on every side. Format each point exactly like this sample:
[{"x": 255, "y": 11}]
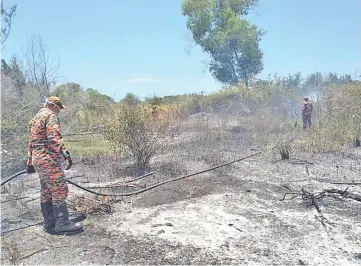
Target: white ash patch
[{"x": 227, "y": 226}]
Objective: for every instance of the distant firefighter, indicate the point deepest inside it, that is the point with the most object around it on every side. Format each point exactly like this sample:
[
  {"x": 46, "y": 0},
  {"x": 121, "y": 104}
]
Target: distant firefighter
[
  {"x": 155, "y": 112},
  {"x": 307, "y": 109}
]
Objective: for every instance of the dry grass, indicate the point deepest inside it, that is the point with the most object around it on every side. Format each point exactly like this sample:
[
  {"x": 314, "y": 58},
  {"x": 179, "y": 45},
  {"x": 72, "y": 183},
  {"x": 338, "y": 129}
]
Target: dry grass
[
  {"x": 96, "y": 205},
  {"x": 11, "y": 248}
]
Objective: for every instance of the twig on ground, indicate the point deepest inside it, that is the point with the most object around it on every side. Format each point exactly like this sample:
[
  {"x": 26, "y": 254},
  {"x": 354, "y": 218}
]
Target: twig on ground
[
  {"x": 310, "y": 196},
  {"x": 290, "y": 193},
  {"x": 299, "y": 161},
  {"x": 51, "y": 242},
  {"x": 287, "y": 187},
  {"x": 235, "y": 227},
  {"x": 346, "y": 183},
  {"x": 295, "y": 181},
  {"x": 33, "y": 253},
  {"x": 14, "y": 199},
  {"x": 140, "y": 177},
  {"x": 72, "y": 177},
  {"x": 23, "y": 227},
  {"x": 31, "y": 199},
  {"x": 344, "y": 193}
]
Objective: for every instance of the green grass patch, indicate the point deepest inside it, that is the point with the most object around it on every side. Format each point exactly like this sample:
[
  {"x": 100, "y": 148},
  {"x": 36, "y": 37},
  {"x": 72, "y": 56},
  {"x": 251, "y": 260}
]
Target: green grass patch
[{"x": 87, "y": 147}]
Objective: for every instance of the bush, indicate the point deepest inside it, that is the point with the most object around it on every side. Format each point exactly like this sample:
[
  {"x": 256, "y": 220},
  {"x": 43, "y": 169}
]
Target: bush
[{"x": 137, "y": 133}]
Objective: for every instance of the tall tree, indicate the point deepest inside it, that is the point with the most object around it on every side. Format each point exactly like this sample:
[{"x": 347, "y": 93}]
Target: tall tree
[
  {"x": 130, "y": 99},
  {"x": 5, "y": 68},
  {"x": 232, "y": 42},
  {"x": 42, "y": 72},
  {"x": 17, "y": 75}
]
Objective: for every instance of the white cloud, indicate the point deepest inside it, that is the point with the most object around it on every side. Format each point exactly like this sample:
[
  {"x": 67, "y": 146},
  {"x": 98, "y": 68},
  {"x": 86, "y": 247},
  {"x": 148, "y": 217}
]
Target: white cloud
[{"x": 143, "y": 79}]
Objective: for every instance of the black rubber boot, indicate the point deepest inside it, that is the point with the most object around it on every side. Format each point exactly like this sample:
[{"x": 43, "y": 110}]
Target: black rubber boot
[
  {"x": 49, "y": 218},
  {"x": 63, "y": 226}
]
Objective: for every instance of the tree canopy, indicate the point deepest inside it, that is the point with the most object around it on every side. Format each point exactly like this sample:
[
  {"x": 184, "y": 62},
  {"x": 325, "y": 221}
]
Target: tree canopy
[{"x": 232, "y": 42}]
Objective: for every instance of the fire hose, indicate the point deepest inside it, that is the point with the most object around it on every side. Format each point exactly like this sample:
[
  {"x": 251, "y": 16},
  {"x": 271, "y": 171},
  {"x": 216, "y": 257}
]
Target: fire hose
[
  {"x": 145, "y": 189},
  {"x": 12, "y": 177},
  {"x": 130, "y": 193}
]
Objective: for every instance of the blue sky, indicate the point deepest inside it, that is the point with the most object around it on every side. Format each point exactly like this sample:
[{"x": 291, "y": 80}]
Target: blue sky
[{"x": 139, "y": 45}]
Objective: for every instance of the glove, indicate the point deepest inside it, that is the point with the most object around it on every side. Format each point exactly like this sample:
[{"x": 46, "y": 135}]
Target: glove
[
  {"x": 29, "y": 166},
  {"x": 30, "y": 169},
  {"x": 69, "y": 163},
  {"x": 68, "y": 160}
]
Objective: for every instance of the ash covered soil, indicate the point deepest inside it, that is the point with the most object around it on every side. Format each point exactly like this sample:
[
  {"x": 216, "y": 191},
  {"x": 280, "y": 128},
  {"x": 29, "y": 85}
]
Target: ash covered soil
[{"x": 232, "y": 215}]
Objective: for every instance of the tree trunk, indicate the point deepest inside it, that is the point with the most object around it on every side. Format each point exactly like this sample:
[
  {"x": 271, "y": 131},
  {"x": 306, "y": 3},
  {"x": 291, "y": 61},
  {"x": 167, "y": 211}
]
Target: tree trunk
[{"x": 246, "y": 80}]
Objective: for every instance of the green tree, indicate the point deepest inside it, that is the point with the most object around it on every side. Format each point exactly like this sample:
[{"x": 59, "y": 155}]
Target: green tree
[
  {"x": 220, "y": 28},
  {"x": 17, "y": 75},
  {"x": 5, "y": 68},
  {"x": 98, "y": 98},
  {"x": 130, "y": 99},
  {"x": 155, "y": 100},
  {"x": 69, "y": 91},
  {"x": 14, "y": 80}
]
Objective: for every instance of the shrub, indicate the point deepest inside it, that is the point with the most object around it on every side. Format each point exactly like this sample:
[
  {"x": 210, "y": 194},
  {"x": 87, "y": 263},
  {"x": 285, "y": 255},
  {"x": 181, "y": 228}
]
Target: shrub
[
  {"x": 339, "y": 119},
  {"x": 137, "y": 133}
]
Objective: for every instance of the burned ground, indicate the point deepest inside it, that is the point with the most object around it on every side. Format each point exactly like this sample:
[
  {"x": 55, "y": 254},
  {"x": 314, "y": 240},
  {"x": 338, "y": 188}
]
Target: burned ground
[{"x": 232, "y": 215}]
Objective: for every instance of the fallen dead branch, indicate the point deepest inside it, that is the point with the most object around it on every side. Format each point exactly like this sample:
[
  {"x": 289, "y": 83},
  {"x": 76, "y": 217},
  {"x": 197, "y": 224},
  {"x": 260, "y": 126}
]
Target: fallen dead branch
[
  {"x": 296, "y": 194},
  {"x": 318, "y": 195},
  {"x": 31, "y": 199},
  {"x": 14, "y": 199},
  {"x": 298, "y": 161},
  {"x": 344, "y": 193},
  {"x": 287, "y": 187},
  {"x": 23, "y": 227},
  {"x": 232, "y": 225},
  {"x": 313, "y": 198},
  {"x": 308, "y": 196},
  {"x": 346, "y": 183}
]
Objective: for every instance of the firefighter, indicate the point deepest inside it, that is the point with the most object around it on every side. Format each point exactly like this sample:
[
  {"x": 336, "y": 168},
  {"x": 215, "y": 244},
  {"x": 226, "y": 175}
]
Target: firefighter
[
  {"x": 307, "y": 109},
  {"x": 45, "y": 153},
  {"x": 155, "y": 112}
]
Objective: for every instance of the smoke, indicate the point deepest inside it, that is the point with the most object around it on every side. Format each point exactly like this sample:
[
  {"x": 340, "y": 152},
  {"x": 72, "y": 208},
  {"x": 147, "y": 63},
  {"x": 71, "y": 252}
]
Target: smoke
[{"x": 314, "y": 96}]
